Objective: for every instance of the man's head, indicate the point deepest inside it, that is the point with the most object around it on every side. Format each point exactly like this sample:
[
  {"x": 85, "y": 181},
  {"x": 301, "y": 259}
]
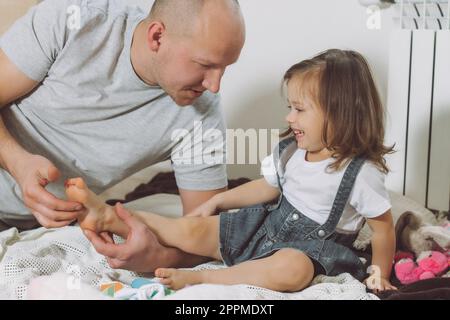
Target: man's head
[{"x": 190, "y": 43}]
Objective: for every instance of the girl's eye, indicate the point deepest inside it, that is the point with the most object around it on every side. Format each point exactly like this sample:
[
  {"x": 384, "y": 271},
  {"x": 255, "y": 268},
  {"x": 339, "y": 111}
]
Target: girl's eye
[{"x": 296, "y": 109}]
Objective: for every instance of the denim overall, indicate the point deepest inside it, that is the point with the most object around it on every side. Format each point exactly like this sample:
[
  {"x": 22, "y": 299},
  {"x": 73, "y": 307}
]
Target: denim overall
[{"x": 259, "y": 231}]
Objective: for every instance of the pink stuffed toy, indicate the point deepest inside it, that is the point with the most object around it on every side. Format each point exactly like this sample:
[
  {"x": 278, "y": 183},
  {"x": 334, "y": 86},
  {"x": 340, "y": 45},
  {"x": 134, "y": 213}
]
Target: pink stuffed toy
[{"x": 429, "y": 265}]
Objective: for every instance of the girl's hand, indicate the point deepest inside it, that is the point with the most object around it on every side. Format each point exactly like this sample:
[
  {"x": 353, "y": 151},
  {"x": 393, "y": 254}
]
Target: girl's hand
[
  {"x": 378, "y": 284},
  {"x": 206, "y": 209}
]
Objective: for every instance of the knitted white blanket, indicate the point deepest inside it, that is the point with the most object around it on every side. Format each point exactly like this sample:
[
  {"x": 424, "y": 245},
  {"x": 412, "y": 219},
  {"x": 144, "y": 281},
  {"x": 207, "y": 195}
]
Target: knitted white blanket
[{"x": 41, "y": 252}]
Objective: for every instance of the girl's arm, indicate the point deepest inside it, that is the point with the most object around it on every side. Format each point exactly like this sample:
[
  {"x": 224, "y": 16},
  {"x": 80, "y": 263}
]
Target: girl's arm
[
  {"x": 383, "y": 251},
  {"x": 248, "y": 194},
  {"x": 251, "y": 193}
]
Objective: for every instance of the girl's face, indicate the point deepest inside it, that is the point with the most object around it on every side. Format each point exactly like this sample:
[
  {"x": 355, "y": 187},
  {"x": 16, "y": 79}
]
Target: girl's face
[{"x": 305, "y": 118}]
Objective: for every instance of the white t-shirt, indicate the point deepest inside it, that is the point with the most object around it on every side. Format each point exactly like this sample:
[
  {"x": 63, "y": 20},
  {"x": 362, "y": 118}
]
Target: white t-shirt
[{"x": 311, "y": 189}]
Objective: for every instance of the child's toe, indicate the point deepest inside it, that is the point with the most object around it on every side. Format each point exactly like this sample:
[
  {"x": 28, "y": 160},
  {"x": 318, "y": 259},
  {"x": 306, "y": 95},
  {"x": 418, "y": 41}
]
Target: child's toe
[
  {"x": 163, "y": 272},
  {"x": 166, "y": 282},
  {"x": 79, "y": 182}
]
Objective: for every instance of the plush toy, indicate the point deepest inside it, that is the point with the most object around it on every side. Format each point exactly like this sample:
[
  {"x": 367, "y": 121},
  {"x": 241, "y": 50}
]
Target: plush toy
[
  {"x": 415, "y": 234},
  {"x": 429, "y": 265},
  {"x": 403, "y": 255}
]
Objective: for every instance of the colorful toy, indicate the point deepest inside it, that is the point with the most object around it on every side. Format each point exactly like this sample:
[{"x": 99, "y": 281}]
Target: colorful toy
[
  {"x": 430, "y": 264},
  {"x": 140, "y": 289},
  {"x": 111, "y": 288}
]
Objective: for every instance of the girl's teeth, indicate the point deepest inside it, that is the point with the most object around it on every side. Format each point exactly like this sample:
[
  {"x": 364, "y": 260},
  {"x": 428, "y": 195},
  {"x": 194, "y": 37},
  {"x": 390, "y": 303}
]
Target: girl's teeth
[{"x": 299, "y": 133}]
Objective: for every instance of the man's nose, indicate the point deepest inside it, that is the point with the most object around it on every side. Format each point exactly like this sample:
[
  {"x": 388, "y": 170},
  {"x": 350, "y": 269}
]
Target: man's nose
[{"x": 212, "y": 80}]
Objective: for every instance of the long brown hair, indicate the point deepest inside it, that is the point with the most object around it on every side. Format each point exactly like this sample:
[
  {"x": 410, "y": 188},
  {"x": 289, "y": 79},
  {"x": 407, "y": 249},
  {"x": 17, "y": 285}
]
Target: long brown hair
[{"x": 353, "y": 112}]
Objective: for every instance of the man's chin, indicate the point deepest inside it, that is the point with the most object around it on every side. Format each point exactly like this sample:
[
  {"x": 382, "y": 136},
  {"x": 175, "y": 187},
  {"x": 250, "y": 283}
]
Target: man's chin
[
  {"x": 184, "y": 101},
  {"x": 185, "y": 104}
]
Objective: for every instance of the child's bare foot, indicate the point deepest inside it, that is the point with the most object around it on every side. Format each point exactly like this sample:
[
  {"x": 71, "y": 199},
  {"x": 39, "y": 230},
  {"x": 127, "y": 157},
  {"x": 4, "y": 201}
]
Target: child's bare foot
[
  {"x": 178, "y": 279},
  {"x": 98, "y": 215}
]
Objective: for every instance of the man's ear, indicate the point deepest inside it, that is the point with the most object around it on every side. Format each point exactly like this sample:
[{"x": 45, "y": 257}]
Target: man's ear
[{"x": 155, "y": 32}]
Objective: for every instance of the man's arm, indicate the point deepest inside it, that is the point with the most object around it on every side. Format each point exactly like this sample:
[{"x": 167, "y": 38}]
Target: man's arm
[
  {"x": 192, "y": 199},
  {"x": 13, "y": 82},
  {"x": 32, "y": 172},
  {"x": 13, "y": 85}
]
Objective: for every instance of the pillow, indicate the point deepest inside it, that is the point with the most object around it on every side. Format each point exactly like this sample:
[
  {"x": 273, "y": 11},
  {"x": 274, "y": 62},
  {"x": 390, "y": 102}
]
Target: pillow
[
  {"x": 121, "y": 189},
  {"x": 400, "y": 204},
  {"x": 168, "y": 205}
]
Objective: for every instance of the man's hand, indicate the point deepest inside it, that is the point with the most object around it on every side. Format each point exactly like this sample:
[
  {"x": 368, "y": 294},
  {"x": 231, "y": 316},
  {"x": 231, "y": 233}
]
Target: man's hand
[
  {"x": 141, "y": 252},
  {"x": 33, "y": 173}
]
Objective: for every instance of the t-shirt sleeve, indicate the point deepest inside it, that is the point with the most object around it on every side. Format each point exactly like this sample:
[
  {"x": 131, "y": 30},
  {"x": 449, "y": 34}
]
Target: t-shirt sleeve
[
  {"x": 199, "y": 162},
  {"x": 370, "y": 197},
  {"x": 34, "y": 41},
  {"x": 269, "y": 171}
]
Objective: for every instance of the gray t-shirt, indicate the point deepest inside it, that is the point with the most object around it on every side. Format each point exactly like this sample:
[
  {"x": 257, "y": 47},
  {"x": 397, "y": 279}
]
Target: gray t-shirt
[{"x": 91, "y": 115}]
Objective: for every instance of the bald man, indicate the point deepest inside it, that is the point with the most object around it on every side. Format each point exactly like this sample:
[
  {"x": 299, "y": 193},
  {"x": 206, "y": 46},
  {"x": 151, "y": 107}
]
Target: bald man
[{"x": 97, "y": 90}]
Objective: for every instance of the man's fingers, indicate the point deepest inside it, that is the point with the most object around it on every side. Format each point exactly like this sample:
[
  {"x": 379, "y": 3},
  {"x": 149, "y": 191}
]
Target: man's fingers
[
  {"x": 54, "y": 203},
  {"x": 40, "y": 195},
  {"x": 107, "y": 237},
  {"x": 126, "y": 216},
  {"x": 105, "y": 248},
  {"x": 115, "y": 263},
  {"x": 56, "y": 216},
  {"x": 53, "y": 173},
  {"x": 49, "y": 173},
  {"x": 47, "y": 223}
]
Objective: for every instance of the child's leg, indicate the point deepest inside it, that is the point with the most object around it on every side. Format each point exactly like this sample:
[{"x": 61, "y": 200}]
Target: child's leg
[
  {"x": 286, "y": 270},
  {"x": 195, "y": 235}
]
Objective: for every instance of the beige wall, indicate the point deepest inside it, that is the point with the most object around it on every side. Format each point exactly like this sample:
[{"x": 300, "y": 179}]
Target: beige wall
[
  {"x": 279, "y": 34},
  {"x": 10, "y": 10}
]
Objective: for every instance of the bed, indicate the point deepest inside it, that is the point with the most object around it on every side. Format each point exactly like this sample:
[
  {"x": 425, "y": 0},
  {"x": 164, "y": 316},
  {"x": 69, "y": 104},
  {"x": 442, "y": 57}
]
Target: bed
[{"x": 61, "y": 263}]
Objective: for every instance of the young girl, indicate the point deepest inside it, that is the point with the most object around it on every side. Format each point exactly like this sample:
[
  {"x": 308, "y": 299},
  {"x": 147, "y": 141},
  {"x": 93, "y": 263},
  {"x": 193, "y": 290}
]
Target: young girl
[{"x": 328, "y": 177}]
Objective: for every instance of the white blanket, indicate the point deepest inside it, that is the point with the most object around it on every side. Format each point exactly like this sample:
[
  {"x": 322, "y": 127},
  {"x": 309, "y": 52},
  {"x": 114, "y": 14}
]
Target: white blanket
[
  {"x": 34, "y": 254},
  {"x": 62, "y": 264}
]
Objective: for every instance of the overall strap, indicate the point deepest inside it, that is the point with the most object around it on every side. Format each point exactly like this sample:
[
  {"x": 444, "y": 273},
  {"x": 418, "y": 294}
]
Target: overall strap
[
  {"x": 342, "y": 196},
  {"x": 284, "y": 150}
]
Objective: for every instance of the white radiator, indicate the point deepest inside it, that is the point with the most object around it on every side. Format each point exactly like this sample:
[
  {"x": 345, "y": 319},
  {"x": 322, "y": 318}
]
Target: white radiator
[{"x": 418, "y": 108}]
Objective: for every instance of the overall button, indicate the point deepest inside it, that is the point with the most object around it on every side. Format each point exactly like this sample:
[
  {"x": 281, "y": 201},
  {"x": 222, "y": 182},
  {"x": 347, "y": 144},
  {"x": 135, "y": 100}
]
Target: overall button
[
  {"x": 321, "y": 233},
  {"x": 295, "y": 217}
]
